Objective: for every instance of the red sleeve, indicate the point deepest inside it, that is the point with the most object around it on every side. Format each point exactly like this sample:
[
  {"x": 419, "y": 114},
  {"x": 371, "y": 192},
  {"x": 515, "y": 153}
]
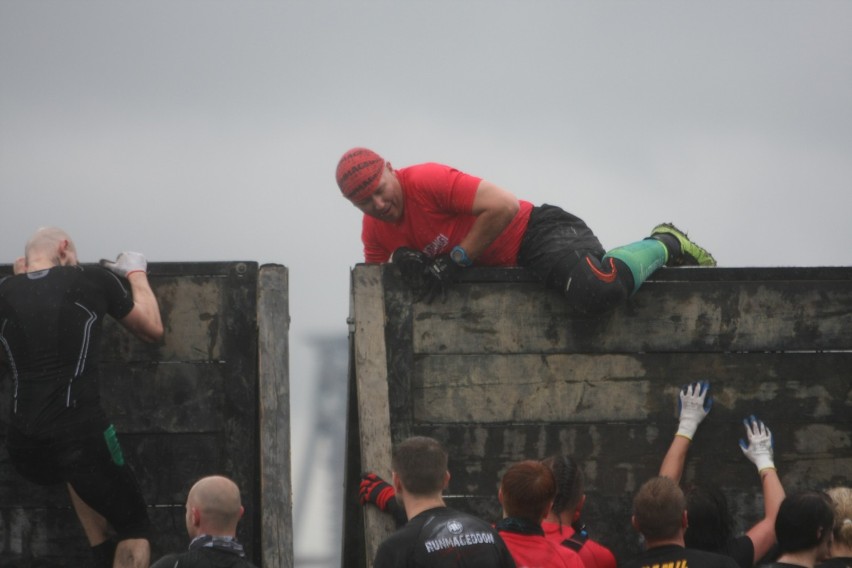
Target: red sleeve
[
  {"x": 374, "y": 251},
  {"x": 449, "y": 189}
]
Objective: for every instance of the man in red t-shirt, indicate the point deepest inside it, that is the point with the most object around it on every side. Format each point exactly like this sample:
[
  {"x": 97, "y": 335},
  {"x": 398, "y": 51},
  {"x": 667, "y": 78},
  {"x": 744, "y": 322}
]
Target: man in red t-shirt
[{"x": 432, "y": 220}]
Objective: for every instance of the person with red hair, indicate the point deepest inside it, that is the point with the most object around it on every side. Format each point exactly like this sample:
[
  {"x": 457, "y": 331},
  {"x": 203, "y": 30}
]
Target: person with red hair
[{"x": 526, "y": 493}]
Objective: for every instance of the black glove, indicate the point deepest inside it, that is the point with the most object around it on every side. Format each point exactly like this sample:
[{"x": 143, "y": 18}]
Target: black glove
[
  {"x": 375, "y": 490},
  {"x": 412, "y": 265},
  {"x": 442, "y": 272}
]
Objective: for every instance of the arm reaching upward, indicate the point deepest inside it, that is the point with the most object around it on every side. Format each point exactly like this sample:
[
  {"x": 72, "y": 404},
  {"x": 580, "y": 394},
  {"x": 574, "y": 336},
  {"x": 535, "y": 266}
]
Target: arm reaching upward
[
  {"x": 144, "y": 320},
  {"x": 760, "y": 450},
  {"x": 694, "y": 404}
]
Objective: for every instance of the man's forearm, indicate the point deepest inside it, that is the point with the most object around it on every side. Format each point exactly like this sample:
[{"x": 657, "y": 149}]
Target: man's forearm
[
  {"x": 146, "y": 321},
  {"x": 673, "y": 462},
  {"x": 494, "y": 208},
  {"x": 488, "y": 226},
  {"x": 773, "y": 492}
]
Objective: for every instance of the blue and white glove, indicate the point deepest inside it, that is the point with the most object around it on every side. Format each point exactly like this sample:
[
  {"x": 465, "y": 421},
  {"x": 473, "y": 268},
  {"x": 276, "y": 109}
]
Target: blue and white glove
[
  {"x": 760, "y": 447},
  {"x": 693, "y": 406}
]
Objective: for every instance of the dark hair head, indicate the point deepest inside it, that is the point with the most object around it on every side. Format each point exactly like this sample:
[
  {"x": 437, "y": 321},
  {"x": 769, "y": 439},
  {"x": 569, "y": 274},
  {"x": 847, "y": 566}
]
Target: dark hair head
[
  {"x": 658, "y": 508},
  {"x": 804, "y": 521},
  {"x": 528, "y": 488},
  {"x": 709, "y": 520},
  {"x": 421, "y": 465},
  {"x": 569, "y": 482}
]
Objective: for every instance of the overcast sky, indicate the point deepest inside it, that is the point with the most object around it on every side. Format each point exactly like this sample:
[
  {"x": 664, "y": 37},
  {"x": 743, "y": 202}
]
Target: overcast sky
[{"x": 210, "y": 130}]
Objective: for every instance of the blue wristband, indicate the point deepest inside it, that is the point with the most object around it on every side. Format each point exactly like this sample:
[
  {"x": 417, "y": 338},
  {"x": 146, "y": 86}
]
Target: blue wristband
[{"x": 459, "y": 256}]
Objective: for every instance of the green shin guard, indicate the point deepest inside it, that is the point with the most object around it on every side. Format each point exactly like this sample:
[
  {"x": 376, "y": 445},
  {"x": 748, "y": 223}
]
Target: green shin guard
[{"x": 643, "y": 258}]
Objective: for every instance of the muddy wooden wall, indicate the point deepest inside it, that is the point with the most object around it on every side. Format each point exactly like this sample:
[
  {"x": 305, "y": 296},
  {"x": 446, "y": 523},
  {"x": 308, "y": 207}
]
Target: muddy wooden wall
[
  {"x": 212, "y": 398},
  {"x": 500, "y": 372}
]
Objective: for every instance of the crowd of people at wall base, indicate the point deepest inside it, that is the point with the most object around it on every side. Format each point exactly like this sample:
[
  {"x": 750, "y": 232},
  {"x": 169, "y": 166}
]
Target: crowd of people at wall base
[{"x": 542, "y": 503}]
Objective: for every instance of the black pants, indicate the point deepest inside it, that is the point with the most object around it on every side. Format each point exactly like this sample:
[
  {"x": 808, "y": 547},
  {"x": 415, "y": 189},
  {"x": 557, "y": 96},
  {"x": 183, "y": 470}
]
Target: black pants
[
  {"x": 93, "y": 465},
  {"x": 566, "y": 255}
]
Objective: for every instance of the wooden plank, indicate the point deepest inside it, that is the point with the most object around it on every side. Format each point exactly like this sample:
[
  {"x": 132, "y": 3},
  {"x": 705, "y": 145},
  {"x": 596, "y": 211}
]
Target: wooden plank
[
  {"x": 151, "y": 397},
  {"x": 590, "y": 388},
  {"x": 618, "y": 457},
  {"x": 353, "y": 542},
  {"x": 41, "y": 538},
  {"x": 241, "y": 437},
  {"x": 372, "y": 391},
  {"x": 398, "y": 334},
  {"x": 192, "y": 309},
  {"x": 274, "y": 356},
  {"x": 499, "y": 275},
  {"x": 663, "y": 317}
]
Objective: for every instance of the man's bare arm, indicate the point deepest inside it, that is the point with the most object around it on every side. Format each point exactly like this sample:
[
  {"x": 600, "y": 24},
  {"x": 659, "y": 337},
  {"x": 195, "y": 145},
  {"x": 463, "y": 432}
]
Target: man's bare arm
[
  {"x": 144, "y": 320},
  {"x": 494, "y": 208}
]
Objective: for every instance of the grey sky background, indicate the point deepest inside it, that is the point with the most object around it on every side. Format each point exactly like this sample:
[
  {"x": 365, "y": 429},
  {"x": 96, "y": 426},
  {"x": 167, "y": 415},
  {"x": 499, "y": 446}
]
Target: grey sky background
[{"x": 198, "y": 130}]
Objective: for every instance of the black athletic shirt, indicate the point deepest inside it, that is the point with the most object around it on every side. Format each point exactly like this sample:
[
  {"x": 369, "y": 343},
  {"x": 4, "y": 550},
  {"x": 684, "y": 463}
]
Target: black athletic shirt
[
  {"x": 444, "y": 538},
  {"x": 50, "y": 330},
  {"x": 673, "y": 555},
  {"x": 741, "y": 549}
]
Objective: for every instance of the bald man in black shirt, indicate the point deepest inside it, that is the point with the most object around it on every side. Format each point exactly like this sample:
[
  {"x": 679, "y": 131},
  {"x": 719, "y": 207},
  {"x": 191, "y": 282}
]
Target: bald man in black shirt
[{"x": 51, "y": 315}]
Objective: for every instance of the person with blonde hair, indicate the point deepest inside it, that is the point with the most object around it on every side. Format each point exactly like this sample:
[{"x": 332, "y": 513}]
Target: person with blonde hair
[{"x": 841, "y": 545}]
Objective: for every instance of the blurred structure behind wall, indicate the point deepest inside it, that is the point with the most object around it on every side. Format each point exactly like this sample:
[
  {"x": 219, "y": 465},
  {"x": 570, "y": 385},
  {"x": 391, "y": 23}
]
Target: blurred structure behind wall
[{"x": 318, "y": 473}]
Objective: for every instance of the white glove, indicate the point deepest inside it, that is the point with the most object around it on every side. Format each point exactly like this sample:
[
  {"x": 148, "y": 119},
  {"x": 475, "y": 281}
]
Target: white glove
[
  {"x": 126, "y": 263},
  {"x": 759, "y": 449},
  {"x": 693, "y": 406}
]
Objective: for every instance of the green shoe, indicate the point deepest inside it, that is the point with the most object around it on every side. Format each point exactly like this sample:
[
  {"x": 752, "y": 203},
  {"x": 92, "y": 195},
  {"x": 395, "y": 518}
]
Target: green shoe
[{"x": 690, "y": 253}]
